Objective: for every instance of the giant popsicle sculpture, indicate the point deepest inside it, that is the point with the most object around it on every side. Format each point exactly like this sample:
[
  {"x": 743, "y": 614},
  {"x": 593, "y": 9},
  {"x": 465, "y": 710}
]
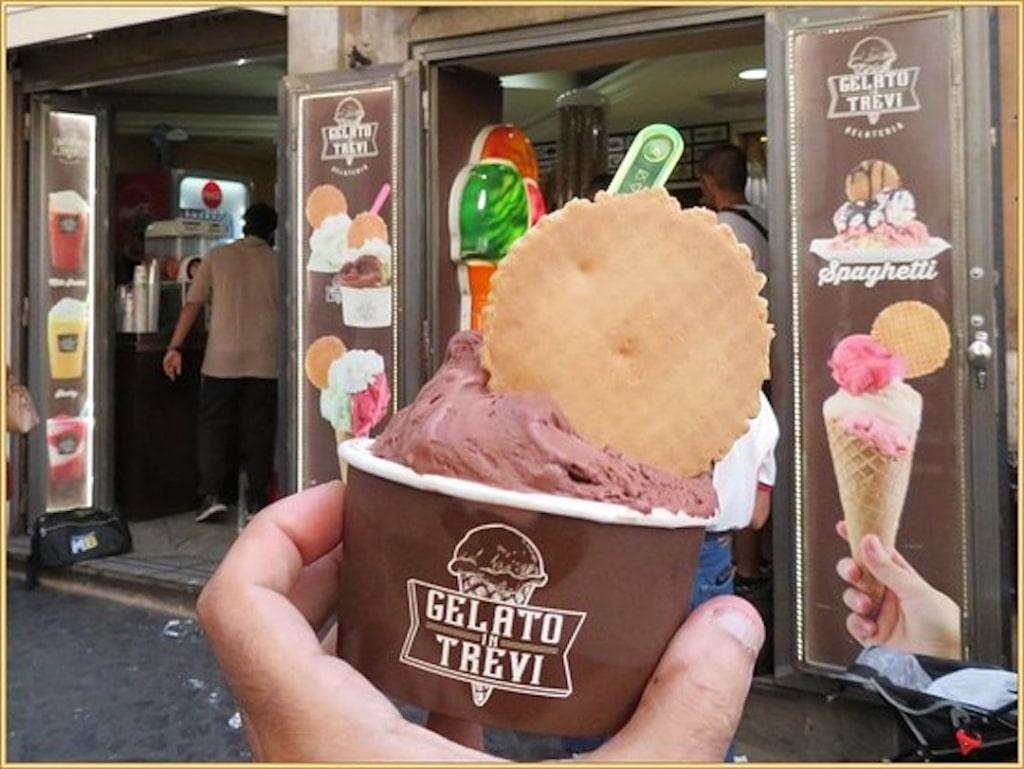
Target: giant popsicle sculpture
[{"x": 494, "y": 200}]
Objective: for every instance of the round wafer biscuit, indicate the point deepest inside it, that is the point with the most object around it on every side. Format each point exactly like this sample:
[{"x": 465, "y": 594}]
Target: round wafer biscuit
[
  {"x": 319, "y": 357},
  {"x": 640, "y": 321},
  {"x": 324, "y": 200},
  {"x": 917, "y": 333},
  {"x": 365, "y": 226}
]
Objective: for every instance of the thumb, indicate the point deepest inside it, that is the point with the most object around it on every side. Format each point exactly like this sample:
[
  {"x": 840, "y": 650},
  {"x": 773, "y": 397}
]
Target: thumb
[
  {"x": 693, "y": 702},
  {"x": 880, "y": 562}
]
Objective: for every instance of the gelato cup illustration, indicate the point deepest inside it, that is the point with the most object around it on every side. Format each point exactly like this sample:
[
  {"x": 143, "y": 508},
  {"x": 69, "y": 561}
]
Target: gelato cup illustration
[
  {"x": 364, "y": 278},
  {"x": 365, "y": 284}
]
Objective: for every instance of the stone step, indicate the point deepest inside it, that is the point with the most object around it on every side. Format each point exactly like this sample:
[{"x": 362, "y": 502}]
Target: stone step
[{"x": 168, "y": 585}]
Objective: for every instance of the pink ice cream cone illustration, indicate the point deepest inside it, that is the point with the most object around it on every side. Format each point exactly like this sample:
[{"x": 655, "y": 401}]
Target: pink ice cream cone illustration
[
  {"x": 872, "y": 423},
  {"x": 498, "y": 563},
  {"x": 873, "y": 419}
]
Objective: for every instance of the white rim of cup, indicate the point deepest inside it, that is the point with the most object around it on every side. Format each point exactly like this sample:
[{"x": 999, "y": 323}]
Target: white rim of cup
[{"x": 357, "y": 453}]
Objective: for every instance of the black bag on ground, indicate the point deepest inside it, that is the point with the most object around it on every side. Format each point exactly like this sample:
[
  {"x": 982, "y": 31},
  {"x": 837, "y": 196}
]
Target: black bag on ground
[{"x": 70, "y": 536}]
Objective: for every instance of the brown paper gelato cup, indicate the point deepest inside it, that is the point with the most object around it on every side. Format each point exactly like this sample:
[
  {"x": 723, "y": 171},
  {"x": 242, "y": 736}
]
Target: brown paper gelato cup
[{"x": 525, "y": 611}]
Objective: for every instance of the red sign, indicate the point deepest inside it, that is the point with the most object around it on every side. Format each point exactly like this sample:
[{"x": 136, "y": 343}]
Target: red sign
[{"x": 213, "y": 196}]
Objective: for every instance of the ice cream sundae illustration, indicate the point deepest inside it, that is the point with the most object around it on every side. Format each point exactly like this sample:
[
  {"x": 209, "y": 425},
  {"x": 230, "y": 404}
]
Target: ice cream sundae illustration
[
  {"x": 498, "y": 563},
  {"x": 877, "y": 222},
  {"x": 355, "y": 251},
  {"x": 354, "y": 392},
  {"x": 873, "y": 419},
  {"x": 365, "y": 275}
]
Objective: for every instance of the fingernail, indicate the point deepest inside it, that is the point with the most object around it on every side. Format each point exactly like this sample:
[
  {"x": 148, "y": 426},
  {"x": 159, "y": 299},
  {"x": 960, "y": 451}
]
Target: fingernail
[{"x": 739, "y": 624}]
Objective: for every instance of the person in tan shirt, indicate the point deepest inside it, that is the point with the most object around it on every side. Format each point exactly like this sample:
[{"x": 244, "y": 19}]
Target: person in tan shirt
[{"x": 239, "y": 373}]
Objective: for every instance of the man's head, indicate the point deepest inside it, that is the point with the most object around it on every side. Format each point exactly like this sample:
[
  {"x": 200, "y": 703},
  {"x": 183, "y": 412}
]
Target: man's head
[
  {"x": 723, "y": 176},
  {"x": 261, "y": 221}
]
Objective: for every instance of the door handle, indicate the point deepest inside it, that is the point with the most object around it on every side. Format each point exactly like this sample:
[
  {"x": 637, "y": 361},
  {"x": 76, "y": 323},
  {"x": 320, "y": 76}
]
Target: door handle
[{"x": 979, "y": 355}]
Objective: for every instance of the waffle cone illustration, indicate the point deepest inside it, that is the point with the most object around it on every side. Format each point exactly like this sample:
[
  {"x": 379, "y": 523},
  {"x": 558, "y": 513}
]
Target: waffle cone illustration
[
  {"x": 498, "y": 563},
  {"x": 343, "y": 435},
  {"x": 872, "y": 489}
]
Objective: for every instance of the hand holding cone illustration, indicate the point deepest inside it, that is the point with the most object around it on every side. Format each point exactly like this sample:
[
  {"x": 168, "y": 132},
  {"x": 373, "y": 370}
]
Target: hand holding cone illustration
[
  {"x": 912, "y": 616},
  {"x": 872, "y": 421}
]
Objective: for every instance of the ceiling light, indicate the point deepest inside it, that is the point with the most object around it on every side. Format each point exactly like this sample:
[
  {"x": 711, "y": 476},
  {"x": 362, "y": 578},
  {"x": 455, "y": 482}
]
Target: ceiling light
[
  {"x": 241, "y": 62},
  {"x": 754, "y": 73}
]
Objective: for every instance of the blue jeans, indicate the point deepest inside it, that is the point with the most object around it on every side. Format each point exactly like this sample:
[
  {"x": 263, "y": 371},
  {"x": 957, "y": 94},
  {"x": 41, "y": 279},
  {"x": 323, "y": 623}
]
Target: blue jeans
[
  {"x": 715, "y": 577},
  {"x": 715, "y": 573}
]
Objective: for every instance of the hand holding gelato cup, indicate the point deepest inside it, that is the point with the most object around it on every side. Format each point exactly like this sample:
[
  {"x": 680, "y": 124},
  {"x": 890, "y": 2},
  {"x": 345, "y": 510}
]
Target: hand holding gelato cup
[
  {"x": 515, "y": 609},
  {"x": 507, "y": 560}
]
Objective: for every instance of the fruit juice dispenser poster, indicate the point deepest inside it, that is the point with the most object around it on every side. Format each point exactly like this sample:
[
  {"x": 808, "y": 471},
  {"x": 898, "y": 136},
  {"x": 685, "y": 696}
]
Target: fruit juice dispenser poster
[{"x": 68, "y": 316}]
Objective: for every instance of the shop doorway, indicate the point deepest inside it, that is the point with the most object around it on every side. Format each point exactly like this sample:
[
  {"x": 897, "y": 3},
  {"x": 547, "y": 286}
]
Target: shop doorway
[
  {"x": 160, "y": 169},
  {"x": 707, "y": 80}
]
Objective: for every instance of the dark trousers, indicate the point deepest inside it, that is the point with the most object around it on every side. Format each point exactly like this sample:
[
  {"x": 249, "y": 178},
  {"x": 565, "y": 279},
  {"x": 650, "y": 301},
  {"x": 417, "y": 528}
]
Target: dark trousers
[{"x": 237, "y": 420}]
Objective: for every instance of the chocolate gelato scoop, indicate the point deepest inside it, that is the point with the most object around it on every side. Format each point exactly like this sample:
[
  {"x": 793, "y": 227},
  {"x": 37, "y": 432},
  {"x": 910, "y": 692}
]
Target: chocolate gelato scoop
[
  {"x": 457, "y": 428},
  {"x": 364, "y": 272}
]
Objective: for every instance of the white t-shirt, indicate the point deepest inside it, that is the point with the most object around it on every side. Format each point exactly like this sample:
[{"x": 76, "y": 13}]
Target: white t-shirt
[
  {"x": 748, "y": 233},
  {"x": 749, "y": 464}
]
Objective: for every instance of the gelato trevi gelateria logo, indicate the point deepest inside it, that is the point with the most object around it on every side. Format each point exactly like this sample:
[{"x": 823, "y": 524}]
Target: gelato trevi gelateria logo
[
  {"x": 873, "y": 88},
  {"x": 350, "y": 138},
  {"x": 486, "y": 631}
]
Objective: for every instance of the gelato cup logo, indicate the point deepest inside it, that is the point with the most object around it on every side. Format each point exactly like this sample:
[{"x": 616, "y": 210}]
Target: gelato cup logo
[
  {"x": 485, "y": 631},
  {"x": 873, "y": 88},
  {"x": 349, "y": 138}
]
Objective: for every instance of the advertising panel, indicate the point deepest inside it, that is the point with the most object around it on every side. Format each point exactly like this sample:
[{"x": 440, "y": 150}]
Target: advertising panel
[
  {"x": 68, "y": 267},
  {"x": 879, "y": 404},
  {"x": 346, "y": 246}
]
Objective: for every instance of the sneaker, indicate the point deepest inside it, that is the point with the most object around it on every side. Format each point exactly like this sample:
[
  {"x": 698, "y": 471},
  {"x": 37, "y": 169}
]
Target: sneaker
[{"x": 210, "y": 507}]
